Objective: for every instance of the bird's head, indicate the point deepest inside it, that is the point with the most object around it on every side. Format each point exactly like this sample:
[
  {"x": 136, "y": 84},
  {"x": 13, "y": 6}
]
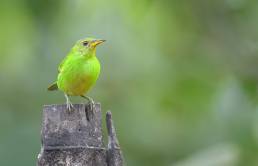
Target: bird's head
[{"x": 87, "y": 46}]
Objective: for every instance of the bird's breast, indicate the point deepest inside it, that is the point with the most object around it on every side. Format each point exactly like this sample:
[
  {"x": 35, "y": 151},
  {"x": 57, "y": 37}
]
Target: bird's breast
[{"x": 79, "y": 76}]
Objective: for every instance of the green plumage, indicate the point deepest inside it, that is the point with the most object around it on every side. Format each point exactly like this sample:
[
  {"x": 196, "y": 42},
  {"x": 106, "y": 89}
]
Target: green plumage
[
  {"x": 79, "y": 70},
  {"x": 78, "y": 74}
]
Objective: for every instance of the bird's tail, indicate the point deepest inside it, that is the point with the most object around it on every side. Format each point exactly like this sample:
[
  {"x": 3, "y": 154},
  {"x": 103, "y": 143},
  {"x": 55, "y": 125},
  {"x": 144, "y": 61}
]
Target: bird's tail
[{"x": 53, "y": 87}]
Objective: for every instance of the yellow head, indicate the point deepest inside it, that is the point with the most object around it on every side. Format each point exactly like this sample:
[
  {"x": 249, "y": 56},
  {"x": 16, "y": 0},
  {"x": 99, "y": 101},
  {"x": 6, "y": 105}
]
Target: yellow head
[{"x": 87, "y": 46}]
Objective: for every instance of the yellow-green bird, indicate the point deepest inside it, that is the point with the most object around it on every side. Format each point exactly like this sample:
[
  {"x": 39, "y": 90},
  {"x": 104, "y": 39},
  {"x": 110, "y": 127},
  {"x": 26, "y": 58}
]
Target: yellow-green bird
[{"x": 78, "y": 71}]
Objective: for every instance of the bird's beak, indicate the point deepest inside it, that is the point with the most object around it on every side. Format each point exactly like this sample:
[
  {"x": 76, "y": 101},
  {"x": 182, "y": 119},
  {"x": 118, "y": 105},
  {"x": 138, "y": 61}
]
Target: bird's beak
[{"x": 97, "y": 42}]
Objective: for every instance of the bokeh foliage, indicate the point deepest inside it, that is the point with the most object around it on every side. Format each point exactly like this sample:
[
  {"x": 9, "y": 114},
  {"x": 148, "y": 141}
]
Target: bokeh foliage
[{"x": 179, "y": 76}]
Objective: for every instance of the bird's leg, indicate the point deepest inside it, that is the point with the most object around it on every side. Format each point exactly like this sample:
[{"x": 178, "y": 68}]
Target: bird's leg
[
  {"x": 90, "y": 100},
  {"x": 69, "y": 104}
]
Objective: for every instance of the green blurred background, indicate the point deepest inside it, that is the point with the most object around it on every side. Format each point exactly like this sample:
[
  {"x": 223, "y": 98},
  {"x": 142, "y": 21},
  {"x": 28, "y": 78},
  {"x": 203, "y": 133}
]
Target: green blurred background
[{"x": 179, "y": 76}]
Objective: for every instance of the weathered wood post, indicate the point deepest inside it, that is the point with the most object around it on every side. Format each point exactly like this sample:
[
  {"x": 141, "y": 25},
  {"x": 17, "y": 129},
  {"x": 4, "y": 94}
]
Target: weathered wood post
[
  {"x": 75, "y": 138},
  {"x": 114, "y": 154}
]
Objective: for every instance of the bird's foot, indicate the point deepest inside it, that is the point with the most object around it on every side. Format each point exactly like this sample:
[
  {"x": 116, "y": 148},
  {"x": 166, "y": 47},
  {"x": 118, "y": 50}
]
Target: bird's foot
[
  {"x": 70, "y": 106},
  {"x": 90, "y": 102}
]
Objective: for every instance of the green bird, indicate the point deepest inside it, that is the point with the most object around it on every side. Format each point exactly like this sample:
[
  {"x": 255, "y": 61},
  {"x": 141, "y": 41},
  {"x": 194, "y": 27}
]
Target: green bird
[{"x": 78, "y": 71}]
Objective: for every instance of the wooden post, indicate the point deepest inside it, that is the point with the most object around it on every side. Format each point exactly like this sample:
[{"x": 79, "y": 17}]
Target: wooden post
[
  {"x": 114, "y": 154},
  {"x": 74, "y": 138}
]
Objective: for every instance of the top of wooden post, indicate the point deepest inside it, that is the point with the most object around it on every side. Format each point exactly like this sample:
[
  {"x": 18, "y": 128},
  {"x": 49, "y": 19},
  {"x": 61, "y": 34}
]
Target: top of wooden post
[
  {"x": 70, "y": 129},
  {"x": 75, "y": 137}
]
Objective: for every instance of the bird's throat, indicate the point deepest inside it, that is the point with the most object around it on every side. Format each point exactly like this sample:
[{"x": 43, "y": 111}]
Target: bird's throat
[{"x": 90, "y": 53}]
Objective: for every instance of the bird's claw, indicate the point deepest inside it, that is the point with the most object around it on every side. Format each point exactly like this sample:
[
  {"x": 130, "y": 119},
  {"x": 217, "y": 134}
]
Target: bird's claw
[
  {"x": 92, "y": 104},
  {"x": 69, "y": 106}
]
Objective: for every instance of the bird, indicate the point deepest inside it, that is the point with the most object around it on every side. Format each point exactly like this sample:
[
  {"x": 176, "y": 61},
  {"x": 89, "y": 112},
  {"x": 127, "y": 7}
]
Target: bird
[{"x": 78, "y": 71}]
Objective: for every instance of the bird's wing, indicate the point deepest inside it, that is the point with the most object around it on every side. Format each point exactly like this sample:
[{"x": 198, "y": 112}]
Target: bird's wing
[{"x": 62, "y": 64}]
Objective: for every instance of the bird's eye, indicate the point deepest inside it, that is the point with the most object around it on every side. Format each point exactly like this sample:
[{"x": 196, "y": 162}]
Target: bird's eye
[{"x": 85, "y": 43}]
